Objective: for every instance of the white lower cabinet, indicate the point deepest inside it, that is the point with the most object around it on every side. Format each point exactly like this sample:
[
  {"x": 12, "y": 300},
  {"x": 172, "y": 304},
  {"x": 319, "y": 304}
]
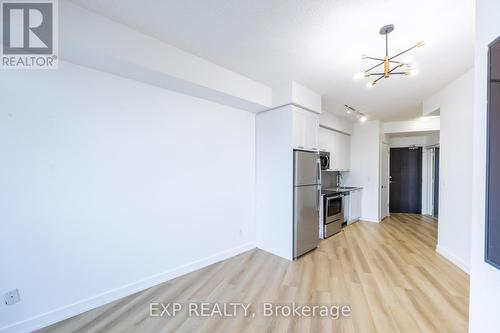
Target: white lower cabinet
[{"x": 354, "y": 210}]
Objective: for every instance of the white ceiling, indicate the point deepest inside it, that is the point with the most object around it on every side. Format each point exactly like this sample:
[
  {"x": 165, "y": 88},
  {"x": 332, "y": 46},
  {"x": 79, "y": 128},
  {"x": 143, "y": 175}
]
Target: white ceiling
[{"x": 316, "y": 43}]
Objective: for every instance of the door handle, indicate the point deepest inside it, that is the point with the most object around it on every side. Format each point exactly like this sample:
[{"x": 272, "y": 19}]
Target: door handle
[
  {"x": 318, "y": 171},
  {"x": 318, "y": 197}
]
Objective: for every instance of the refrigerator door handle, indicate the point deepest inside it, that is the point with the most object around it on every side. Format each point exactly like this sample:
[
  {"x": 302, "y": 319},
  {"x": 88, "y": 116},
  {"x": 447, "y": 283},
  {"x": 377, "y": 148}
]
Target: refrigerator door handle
[
  {"x": 318, "y": 197},
  {"x": 318, "y": 171}
]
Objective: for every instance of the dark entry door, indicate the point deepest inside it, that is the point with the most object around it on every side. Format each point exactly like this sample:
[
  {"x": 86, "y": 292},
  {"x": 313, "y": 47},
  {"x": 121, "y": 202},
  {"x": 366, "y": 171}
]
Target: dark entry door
[
  {"x": 405, "y": 194},
  {"x": 436, "y": 181}
]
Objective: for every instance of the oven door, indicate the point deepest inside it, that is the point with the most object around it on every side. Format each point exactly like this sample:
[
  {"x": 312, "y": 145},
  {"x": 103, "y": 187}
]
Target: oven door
[{"x": 333, "y": 209}]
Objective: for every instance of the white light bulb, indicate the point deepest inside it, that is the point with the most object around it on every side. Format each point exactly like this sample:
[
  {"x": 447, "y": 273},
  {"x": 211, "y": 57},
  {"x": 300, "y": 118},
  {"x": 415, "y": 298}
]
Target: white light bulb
[
  {"x": 363, "y": 118},
  {"x": 358, "y": 76},
  {"x": 369, "y": 84}
]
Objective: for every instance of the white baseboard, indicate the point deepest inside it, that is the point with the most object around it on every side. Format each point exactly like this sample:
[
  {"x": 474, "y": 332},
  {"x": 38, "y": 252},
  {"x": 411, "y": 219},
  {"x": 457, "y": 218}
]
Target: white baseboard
[
  {"x": 95, "y": 301},
  {"x": 453, "y": 258},
  {"x": 274, "y": 252},
  {"x": 370, "y": 219}
]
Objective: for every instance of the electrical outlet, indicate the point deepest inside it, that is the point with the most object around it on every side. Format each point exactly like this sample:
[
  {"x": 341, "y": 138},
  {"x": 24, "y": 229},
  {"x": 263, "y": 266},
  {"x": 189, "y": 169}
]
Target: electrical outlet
[{"x": 12, "y": 297}]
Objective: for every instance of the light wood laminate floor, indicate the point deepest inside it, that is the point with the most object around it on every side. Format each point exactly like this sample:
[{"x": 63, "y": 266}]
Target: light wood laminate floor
[{"x": 388, "y": 273}]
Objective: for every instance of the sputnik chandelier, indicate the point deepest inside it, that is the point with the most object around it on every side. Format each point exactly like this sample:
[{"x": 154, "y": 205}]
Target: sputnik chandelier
[{"x": 398, "y": 67}]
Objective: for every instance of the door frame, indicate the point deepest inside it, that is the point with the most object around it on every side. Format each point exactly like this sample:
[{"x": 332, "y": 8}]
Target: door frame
[
  {"x": 430, "y": 179},
  {"x": 384, "y": 212}
]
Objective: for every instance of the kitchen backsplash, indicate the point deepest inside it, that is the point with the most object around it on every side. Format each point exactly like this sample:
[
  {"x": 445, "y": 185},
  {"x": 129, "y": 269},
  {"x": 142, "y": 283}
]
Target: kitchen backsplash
[{"x": 328, "y": 179}]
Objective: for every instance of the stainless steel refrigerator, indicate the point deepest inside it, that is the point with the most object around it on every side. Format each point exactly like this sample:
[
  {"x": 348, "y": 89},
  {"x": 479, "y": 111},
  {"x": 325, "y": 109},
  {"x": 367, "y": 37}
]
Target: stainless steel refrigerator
[{"x": 306, "y": 201}]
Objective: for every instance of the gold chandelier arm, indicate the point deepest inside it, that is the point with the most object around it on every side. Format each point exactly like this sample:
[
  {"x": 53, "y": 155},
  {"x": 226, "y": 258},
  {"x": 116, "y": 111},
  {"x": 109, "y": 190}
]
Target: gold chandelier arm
[
  {"x": 380, "y": 78},
  {"x": 407, "y": 50},
  {"x": 380, "y": 59},
  {"x": 369, "y": 69},
  {"x": 392, "y": 70},
  {"x": 373, "y": 58}
]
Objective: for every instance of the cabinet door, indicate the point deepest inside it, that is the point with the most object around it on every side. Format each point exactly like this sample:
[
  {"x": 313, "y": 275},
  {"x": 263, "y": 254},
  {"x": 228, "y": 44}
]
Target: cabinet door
[
  {"x": 344, "y": 141},
  {"x": 305, "y": 129},
  {"x": 355, "y": 206},
  {"x": 323, "y": 139},
  {"x": 299, "y": 129},
  {"x": 347, "y": 152},
  {"x": 341, "y": 151},
  {"x": 335, "y": 153},
  {"x": 311, "y": 129}
]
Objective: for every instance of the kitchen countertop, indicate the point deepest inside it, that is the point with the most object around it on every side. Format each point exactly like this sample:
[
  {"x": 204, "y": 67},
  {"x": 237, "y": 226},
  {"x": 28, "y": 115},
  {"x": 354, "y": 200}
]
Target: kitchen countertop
[{"x": 337, "y": 190}]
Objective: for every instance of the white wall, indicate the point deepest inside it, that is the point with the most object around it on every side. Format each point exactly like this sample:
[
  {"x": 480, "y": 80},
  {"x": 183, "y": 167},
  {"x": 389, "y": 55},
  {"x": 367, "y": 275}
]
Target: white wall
[
  {"x": 108, "y": 186},
  {"x": 365, "y": 166},
  {"x": 274, "y": 179},
  {"x": 485, "y": 279},
  {"x": 432, "y": 139},
  {"x": 406, "y": 141},
  {"x": 295, "y": 93},
  {"x": 415, "y": 125},
  {"x": 337, "y": 123},
  {"x": 455, "y": 102}
]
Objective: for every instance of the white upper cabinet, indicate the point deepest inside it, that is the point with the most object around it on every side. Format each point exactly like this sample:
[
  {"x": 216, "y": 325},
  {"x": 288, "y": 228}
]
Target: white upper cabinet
[
  {"x": 305, "y": 129},
  {"x": 312, "y": 129},
  {"x": 298, "y": 130},
  {"x": 343, "y": 152},
  {"x": 339, "y": 146}
]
